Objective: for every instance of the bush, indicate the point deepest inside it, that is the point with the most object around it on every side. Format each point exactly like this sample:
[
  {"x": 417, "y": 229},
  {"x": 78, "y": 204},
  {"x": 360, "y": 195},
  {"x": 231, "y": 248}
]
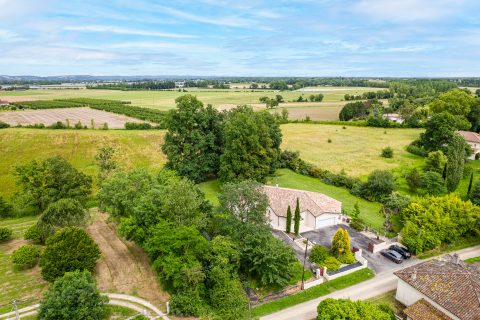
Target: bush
[
  {"x": 5, "y": 234},
  {"x": 59, "y": 257},
  {"x": 387, "y": 152},
  {"x": 379, "y": 185},
  {"x": 416, "y": 150},
  {"x": 333, "y": 309},
  {"x": 32, "y": 234},
  {"x": 4, "y": 125},
  {"x": 6, "y": 209},
  {"x": 414, "y": 179},
  {"x": 357, "y": 224},
  {"x": 26, "y": 256},
  {"x": 433, "y": 183},
  {"x": 347, "y": 258},
  {"x": 331, "y": 263},
  {"x": 186, "y": 303},
  {"x": 75, "y": 297},
  {"x": 319, "y": 254},
  {"x": 138, "y": 126}
]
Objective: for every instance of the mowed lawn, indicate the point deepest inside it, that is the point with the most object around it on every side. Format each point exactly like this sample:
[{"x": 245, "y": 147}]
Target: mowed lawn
[
  {"x": 134, "y": 149},
  {"x": 18, "y": 284},
  {"x": 165, "y": 100},
  {"x": 353, "y": 149}
]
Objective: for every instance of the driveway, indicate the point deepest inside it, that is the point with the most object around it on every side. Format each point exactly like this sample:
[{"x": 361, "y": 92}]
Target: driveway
[
  {"x": 376, "y": 261},
  {"x": 299, "y": 252}
]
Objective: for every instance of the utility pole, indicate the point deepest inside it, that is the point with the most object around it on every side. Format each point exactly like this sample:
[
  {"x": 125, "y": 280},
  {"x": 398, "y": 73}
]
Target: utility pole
[{"x": 304, "y": 260}]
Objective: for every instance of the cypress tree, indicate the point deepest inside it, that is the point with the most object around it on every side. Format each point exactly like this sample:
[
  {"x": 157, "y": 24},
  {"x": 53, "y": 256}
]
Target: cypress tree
[
  {"x": 470, "y": 184},
  {"x": 289, "y": 220},
  {"x": 444, "y": 175},
  {"x": 297, "y": 218}
]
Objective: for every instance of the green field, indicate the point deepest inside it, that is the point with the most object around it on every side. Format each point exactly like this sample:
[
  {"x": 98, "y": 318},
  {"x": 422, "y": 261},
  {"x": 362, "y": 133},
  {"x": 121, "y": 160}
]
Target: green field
[
  {"x": 165, "y": 100},
  {"x": 353, "y": 149},
  {"x": 133, "y": 149}
]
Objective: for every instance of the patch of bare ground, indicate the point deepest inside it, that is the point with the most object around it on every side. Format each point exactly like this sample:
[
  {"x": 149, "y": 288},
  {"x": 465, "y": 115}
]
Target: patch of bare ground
[
  {"x": 85, "y": 116},
  {"x": 123, "y": 267}
]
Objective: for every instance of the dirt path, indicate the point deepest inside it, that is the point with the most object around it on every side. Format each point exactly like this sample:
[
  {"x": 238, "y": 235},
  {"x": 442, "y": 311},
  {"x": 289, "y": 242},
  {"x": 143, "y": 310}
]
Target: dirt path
[{"x": 124, "y": 267}]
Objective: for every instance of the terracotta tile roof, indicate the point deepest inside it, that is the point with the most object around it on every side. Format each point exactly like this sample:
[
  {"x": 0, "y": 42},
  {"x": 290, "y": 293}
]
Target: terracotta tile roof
[
  {"x": 470, "y": 136},
  {"x": 423, "y": 310},
  {"x": 449, "y": 282},
  {"x": 316, "y": 203}
]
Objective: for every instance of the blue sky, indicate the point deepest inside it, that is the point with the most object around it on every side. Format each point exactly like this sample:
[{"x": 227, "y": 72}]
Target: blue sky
[{"x": 405, "y": 38}]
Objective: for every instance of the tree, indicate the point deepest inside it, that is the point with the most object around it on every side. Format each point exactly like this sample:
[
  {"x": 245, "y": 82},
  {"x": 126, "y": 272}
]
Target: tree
[
  {"x": 387, "y": 152},
  {"x": 380, "y": 183},
  {"x": 433, "y": 183},
  {"x": 297, "y": 218},
  {"x": 475, "y": 193},
  {"x": 251, "y": 145},
  {"x": 414, "y": 180},
  {"x": 279, "y": 98},
  {"x": 340, "y": 243},
  {"x": 67, "y": 250},
  {"x": 440, "y": 130},
  {"x": 63, "y": 213},
  {"x": 52, "y": 180},
  {"x": 356, "y": 211},
  {"x": 5, "y": 208},
  {"x": 456, "y": 162},
  {"x": 74, "y": 296},
  {"x": 470, "y": 184},
  {"x": 353, "y": 110},
  {"x": 333, "y": 309},
  {"x": 318, "y": 254},
  {"x": 193, "y": 141},
  {"x": 246, "y": 201},
  {"x": 289, "y": 220},
  {"x": 435, "y": 161},
  {"x": 455, "y": 102},
  {"x": 105, "y": 162},
  {"x": 26, "y": 256}
]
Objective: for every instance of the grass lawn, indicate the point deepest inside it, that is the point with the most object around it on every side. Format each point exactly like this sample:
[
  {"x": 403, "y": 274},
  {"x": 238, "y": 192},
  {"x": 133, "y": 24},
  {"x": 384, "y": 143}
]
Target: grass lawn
[
  {"x": 353, "y": 149},
  {"x": 21, "y": 285},
  {"x": 389, "y": 300},
  {"x": 369, "y": 211},
  {"x": 472, "y": 260},
  {"x": 211, "y": 189},
  {"x": 165, "y": 100},
  {"x": 134, "y": 149},
  {"x": 312, "y": 293}
]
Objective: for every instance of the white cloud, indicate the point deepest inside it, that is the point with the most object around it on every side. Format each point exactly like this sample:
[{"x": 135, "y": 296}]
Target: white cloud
[
  {"x": 126, "y": 31},
  {"x": 408, "y": 10},
  {"x": 163, "y": 45}
]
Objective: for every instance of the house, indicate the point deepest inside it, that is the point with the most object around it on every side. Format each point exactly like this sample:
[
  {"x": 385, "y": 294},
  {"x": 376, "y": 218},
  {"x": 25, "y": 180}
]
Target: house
[
  {"x": 473, "y": 140},
  {"x": 316, "y": 210},
  {"x": 394, "y": 117},
  {"x": 442, "y": 289}
]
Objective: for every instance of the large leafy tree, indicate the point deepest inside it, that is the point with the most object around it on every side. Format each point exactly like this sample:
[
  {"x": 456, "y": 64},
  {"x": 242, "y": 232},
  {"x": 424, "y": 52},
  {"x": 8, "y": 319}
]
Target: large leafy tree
[
  {"x": 333, "y": 309},
  {"x": 380, "y": 184},
  {"x": 440, "y": 130},
  {"x": 69, "y": 249},
  {"x": 105, "y": 162},
  {"x": 246, "y": 201},
  {"x": 456, "y": 102},
  {"x": 74, "y": 296},
  {"x": 193, "y": 142},
  {"x": 456, "y": 162},
  {"x": 251, "y": 145},
  {"x": 51, "y": 180}
]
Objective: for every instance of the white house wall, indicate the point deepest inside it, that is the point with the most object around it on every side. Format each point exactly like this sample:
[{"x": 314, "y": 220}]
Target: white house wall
[
  {"x": 408, "y": 295},
  {"x": 327, "y": 219}
]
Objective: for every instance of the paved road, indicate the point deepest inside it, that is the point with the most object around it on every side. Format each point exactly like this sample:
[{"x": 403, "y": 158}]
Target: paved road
[{"x": 382, "y": 283}]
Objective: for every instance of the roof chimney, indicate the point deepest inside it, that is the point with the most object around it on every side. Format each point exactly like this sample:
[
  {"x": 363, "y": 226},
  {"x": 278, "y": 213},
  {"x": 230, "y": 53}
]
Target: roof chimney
[{"x": 414, "y": 275}]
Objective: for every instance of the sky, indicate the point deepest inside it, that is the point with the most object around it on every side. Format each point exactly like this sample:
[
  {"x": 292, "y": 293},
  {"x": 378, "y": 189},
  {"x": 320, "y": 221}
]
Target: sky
[{"x": 374, "y": 38}]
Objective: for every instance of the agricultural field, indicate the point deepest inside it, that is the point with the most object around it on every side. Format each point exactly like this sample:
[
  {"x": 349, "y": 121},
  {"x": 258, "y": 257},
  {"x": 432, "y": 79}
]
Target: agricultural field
[
  {"x": 165, "y": 100},
  {"x": 134, "y": 149},
  {"x": 86, "y": 116},
  {"x": 356, "y": 150}
]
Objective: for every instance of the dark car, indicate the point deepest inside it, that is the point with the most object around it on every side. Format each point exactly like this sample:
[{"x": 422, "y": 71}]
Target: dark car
[
  {"x": 404, "y": 252},
  {"x": 392, "y": 255}
]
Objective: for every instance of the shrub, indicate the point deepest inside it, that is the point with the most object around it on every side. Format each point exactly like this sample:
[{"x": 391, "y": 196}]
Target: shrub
[
  {"x": 5, "y": 234},
  {"x": 435, "y": 161},
  {"x": 5, "y": 208},
  {"x": 347, "y": 258},
  {"x": 340, "y": 242},
  {"x": 59, "y": 257},
  {"x": 357, "y": 224},
  {"x": 379, "y": 185},
  {"x": 329, "y": 140},
  {"x": 414, "y": 179},
  {"x": 416, "y": 150},
  {"x": 475, "y": 193},
  {"x": 387, "y": 152},
  {"x": 319, "y": 254},
  {"x": 74, "y": 296},
  {"x": 4, "y": 125},
  {"x": 331, "y": 263},
  {"x": 138, "y": 126},
  {"x": 333, "y": 309},
  {"x": 32, "y": 234},
  {"x": 26, "y": 256},
  {"x": 433, "y": 183}
]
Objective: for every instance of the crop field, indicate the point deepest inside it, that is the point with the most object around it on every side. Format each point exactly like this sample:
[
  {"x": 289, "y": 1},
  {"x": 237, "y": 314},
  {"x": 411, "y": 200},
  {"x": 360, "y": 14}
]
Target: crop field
[
  {"x": 353, "y": 149},
  {"x": 86, "y": 116},
  {"x": 134, "y": 149},
  {"x": 314, "y": 113},
  {"x": 165, "y": 100}
]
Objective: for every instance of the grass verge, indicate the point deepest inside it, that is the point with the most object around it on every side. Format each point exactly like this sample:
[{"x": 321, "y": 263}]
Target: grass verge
[
  {"x": 461, "y": 243},
  {"x": 312, "y": 293},
  {"x": 472, "y": 260}
]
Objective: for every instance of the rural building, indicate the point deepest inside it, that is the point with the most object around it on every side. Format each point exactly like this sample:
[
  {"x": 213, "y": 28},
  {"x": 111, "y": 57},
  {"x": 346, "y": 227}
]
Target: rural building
[
  {"x": 316, "y": 210},
  {"x": 442, "y": 289},
  {"x": 394, "y": 117},
  {"x": 473, "y": 140}
]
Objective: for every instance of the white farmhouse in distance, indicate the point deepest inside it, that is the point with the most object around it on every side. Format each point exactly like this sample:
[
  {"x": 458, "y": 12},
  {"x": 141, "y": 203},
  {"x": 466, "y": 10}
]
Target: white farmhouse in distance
[
  {"x": 316, "y": 210},
  {"x": 473, "y": 140}
]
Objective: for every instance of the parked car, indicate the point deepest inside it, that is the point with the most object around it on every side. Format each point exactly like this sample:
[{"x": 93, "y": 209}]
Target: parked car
[
  {"x": 392, "y": 255},
  {"x": 404, "y": 252}
]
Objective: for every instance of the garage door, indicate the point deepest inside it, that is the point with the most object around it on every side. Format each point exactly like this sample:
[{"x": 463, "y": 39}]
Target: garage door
[{"x": 321, "y": 223}]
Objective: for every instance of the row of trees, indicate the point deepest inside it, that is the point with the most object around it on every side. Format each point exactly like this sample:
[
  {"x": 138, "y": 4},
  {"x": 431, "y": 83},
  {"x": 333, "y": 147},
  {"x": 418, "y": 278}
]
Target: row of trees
[{"x": 202, "y": 143}]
